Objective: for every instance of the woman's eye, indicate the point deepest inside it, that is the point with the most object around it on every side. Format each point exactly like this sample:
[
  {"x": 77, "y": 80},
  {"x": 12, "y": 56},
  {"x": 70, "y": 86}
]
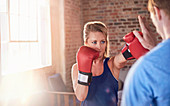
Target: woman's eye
[
  {"x": 94, "y": 42},
  {"x": 102, "y": 42}
]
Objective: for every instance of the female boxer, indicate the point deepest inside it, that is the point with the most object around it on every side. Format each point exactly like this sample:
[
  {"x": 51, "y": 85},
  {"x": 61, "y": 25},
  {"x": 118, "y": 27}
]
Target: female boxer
[{"x": 95, "y": 75}]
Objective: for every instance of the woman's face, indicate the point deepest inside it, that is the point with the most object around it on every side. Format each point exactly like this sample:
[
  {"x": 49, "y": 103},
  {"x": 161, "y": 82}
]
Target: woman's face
[{"x": 97, "y": 41}]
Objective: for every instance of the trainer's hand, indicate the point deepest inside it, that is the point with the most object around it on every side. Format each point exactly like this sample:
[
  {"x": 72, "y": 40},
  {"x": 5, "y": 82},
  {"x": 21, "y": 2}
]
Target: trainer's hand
[
  {"x": 85, "y": 57},
  {"x": 148, "y": 40}
]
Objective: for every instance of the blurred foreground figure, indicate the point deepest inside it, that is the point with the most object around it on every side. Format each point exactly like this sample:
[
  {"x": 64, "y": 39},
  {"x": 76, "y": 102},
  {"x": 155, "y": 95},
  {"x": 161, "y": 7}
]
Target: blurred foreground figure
[{"x": 147, "y": 83}]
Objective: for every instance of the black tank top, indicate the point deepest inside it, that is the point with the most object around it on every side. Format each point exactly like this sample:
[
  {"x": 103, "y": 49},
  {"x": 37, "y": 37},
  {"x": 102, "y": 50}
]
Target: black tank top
[{"x": 103, "y": 89}]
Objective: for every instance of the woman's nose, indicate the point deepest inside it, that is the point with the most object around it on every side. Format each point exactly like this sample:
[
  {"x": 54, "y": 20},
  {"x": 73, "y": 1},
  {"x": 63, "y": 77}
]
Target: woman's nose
[{"x": 98, "y": 46}]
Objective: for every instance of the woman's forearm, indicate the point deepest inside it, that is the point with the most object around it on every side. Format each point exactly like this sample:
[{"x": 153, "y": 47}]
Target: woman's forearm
[
  {"x": 119, "y": 61},
  {"x": 81, "y": 92}
]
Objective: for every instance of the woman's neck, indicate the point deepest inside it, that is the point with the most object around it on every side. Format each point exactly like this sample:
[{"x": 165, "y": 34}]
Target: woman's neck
[
  {"x": 98, "y": 60},
  {"x": 97, "y": 67}
]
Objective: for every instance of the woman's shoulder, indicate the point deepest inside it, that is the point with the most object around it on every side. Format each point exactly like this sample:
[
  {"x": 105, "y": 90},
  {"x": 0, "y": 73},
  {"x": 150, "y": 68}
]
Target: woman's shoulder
[
  {"x": 111, "y": 59},
  {"x": 74, "y": 67},
  {"x": 110, "y": 62},
  {"x": 74, "y": 70},
  {"x": 113, "y": 69}
]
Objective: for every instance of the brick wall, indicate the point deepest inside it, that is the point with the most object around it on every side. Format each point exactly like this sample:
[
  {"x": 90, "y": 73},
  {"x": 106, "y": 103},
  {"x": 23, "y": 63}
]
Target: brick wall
[
  {"x": 73, "y": 33},
  {"x": 120, "y": 16}
]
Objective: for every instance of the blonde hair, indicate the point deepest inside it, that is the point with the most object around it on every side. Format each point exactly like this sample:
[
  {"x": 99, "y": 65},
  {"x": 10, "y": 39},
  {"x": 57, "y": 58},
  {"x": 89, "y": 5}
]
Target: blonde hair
[
  {"x": 96, "y": 26},
  {"x": 161, "y": 4}
]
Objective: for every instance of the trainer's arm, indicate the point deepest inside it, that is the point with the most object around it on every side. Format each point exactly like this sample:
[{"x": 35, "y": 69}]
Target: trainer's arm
[
  {"x": 148, "y": 40},
  {"x": 80, "y": 90}
]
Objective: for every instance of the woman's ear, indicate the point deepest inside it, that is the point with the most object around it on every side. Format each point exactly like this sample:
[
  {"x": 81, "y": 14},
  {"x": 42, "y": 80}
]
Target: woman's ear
[
  {"x": 157, "y": 13},
  {"x": 85, "y": 43}
]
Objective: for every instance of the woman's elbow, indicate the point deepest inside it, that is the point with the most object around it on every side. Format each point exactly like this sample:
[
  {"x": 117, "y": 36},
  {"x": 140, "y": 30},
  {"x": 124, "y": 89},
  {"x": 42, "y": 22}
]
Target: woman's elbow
[
  {"x": 81, "y": 97},
  {"x": 121, "y": 65}
]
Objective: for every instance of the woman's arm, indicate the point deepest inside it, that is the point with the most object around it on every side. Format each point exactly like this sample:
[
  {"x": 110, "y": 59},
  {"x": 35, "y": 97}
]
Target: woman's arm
[
  {"x": 81, "y": 72},
  {"x": 119, "y": 61},
  {"x": 80, "y": 90},
  {"x": 116, "y": 63}
]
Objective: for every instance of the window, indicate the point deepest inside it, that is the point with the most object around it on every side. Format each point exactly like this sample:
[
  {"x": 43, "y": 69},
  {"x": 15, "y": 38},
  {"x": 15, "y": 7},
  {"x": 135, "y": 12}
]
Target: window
[{"x": 25, "y": 35}]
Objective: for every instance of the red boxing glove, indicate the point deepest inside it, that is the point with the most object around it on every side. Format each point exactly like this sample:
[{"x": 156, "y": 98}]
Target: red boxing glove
[
  {"x": 85, "y": 57},
  {"x": 133, "y": 48}
]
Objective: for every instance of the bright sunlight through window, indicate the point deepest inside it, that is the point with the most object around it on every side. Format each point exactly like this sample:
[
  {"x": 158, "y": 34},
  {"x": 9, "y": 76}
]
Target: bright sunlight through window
[{"x": 25, "y": 35}]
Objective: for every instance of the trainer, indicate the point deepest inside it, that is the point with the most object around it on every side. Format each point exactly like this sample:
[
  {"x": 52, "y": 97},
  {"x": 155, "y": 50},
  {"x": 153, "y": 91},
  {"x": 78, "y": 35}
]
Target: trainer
[{"x": 147, "y": 83}]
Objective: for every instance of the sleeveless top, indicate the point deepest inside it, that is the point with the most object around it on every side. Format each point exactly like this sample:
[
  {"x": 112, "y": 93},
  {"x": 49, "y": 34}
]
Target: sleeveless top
[{"x": 103, "y": 89}]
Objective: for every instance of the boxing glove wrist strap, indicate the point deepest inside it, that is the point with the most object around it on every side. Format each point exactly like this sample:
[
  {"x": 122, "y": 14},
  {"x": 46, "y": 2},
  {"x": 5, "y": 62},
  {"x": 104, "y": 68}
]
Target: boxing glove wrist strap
[
  {"x": 84, "y": 78},
  {"x": 126, "y": 53}
]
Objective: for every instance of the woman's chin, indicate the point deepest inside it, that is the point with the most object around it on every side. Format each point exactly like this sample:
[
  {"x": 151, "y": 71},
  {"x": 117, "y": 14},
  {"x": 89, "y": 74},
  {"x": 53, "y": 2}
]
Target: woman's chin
[{"x": 101, "y": 55}]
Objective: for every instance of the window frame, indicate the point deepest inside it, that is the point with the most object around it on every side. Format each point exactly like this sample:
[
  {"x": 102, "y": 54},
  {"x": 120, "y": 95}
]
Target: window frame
[{"x": 24, "y": 41}]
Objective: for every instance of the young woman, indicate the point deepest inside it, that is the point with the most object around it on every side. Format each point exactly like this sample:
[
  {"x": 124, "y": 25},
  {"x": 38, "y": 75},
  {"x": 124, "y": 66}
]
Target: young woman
[{"x": 95, "y": 75}]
